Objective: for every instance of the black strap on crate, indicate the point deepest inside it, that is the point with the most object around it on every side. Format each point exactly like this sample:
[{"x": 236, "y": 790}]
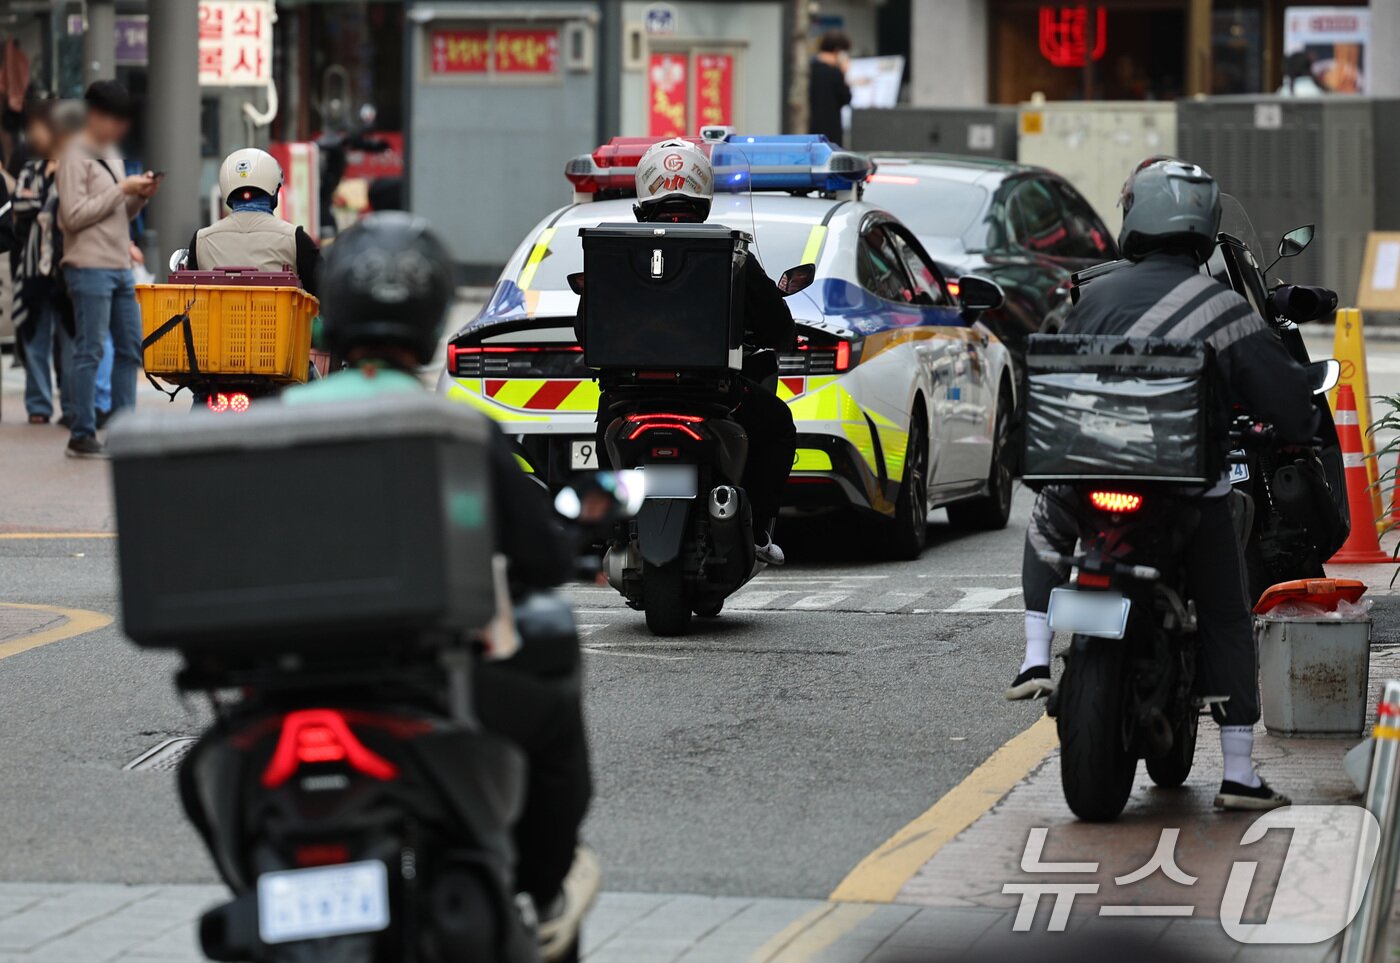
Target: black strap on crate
[{"x": 181, "y": 321}]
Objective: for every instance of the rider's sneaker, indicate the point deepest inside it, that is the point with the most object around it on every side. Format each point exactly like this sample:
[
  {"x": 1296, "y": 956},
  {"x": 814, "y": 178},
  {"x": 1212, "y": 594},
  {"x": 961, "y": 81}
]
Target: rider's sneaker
[
  {"x": 560, "y": 922},
  {"x": 1034, "y": 683},
  {"x": 770, "y": 554},
  {"x": 85, "y": 447},
  {"x": 1238, "y": 796}
]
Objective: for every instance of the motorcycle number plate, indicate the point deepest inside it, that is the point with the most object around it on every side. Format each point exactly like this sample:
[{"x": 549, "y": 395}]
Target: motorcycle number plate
[
  {"x": 583, "y": 455},
  {"x": 1239, "y": 471},
  {"x": 669, "y": 481},
  {"x": 1103, "y": 615},
  {"x": 304, "y": 904}
]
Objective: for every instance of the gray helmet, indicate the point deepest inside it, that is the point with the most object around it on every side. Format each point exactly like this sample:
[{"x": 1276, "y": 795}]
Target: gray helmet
[{"x": 1169, "y": 204}]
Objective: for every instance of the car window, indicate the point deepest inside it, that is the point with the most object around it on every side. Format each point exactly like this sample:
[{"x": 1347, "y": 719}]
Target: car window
[
  {"x": 1088, "y": 238},
  {"x": 928, "y": 283},
  {"x": 879, "y": 268},
  {"x": 1036, "y": 219}
]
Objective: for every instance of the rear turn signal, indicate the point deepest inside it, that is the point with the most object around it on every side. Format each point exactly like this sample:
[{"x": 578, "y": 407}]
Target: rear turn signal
[
  {"x": 312, "y": 736},
  {"x": 1116, "y": 502}
]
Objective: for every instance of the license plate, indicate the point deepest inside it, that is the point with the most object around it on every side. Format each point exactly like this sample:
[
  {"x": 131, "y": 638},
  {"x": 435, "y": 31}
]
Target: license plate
[
  {"x": 1100, "y": 614},
  {"x": 304, "y": 904},
  {"x": 669, "y": 481},
  {"x": 1239, "y": 470},
  {"x": 583, "y": 455}
]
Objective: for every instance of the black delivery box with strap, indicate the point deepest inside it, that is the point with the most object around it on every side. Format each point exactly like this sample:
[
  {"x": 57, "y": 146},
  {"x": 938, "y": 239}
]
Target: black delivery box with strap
[
  {"x": 663, "y": 296},
  {"x": 298, "y": 527},
  {"x": 1110, "y": 407}
]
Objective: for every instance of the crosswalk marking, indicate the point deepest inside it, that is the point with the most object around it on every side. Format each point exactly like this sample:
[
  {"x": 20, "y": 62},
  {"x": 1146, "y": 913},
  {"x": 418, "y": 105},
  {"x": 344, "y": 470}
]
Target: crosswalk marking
[{"x": 818, "y": 601}]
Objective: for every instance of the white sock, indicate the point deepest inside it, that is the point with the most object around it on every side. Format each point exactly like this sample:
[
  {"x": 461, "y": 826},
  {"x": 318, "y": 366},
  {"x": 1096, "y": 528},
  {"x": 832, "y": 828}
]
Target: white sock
[
  {"x": 1038, "y": 638},
  {"x": 1237, "y": 746}
]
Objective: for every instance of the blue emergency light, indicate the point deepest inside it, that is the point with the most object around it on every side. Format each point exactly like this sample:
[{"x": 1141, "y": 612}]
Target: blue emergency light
[{"x": 786, "y": 162}]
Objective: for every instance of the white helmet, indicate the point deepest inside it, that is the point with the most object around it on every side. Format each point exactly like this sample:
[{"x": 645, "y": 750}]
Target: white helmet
[
  {"x": 253, "y": 168},
  {"x": 674, "y": 170}
]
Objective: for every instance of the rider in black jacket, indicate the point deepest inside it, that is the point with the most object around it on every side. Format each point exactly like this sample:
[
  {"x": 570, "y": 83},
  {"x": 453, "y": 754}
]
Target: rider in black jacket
[
  {"x": 1171, "y": 214},
  {"x": 675, "y": 185}
]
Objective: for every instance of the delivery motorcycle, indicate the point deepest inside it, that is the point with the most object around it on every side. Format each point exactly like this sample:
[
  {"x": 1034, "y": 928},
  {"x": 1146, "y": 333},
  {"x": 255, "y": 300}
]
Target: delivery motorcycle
[
  {"x": 662, "y": 326},
  {"x": 345, "y": 790},
  {"x": 1301, "y": 516}
]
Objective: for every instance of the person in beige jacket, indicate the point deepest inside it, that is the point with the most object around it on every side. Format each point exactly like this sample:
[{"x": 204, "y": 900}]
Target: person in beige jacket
[{"x": 96, "y": 203}]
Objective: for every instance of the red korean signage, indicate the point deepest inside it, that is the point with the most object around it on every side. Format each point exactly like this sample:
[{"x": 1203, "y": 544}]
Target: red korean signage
[
  {"x": 669, "y": 82},
  {"x": 527, "y": 51},
  {"x": 460, "y": 51},
  {"x": 714, "y": 89},
  {"x": 1064, "y": 35}
]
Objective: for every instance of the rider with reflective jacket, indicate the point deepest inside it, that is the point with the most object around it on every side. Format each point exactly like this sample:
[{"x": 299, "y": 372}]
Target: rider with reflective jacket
[
  {"x": 1171, "y": 215},
  {"x": 387, "y": 285}
]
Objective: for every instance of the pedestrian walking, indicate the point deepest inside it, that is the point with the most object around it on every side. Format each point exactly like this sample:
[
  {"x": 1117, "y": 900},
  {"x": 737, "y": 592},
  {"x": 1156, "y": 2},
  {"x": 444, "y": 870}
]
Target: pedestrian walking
[
  {"x": 96, "y": 204},
  {"x": 42, "y": 312},
  {"x": 827, "y": 90}
]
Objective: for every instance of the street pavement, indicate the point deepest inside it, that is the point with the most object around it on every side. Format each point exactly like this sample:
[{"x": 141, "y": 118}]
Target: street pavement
[{"x": 825, "y": 772}]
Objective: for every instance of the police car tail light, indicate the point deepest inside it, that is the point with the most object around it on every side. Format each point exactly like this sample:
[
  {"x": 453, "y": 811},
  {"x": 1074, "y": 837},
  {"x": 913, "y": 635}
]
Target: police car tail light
[
  {"x": 514, "y": 360},
  {"x": 819, "y": 358},
  {"x": 315, "y": 736},
  {"x": 1118, "y": 503}
]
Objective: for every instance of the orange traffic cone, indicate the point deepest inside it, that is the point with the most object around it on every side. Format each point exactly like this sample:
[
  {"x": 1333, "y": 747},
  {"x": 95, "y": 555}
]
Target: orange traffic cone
[
  {"x": 1395, "y": 493},
  {"x": 1361, "y": 546}
]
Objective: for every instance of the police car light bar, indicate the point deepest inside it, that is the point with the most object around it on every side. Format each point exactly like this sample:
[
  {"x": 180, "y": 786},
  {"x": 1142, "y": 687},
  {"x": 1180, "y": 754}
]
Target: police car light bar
[{"x": 776, "y": 162}]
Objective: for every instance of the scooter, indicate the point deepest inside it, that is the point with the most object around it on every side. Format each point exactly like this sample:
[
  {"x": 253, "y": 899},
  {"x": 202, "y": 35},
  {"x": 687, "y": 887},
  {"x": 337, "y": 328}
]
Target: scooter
[{"x": 692, "y": 542}]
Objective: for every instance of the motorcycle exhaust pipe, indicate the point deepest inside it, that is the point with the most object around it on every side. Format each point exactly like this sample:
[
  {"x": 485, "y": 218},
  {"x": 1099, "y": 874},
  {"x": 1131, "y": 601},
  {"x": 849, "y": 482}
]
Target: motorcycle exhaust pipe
[
  {"x": 731, "y": 520},
  {"x": 617, "y": 561},
  {"x": 1293, "y": 495}
]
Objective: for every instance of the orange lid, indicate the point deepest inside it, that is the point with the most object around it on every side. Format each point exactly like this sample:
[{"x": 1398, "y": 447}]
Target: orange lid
[{"x": 1322, "y": 592}]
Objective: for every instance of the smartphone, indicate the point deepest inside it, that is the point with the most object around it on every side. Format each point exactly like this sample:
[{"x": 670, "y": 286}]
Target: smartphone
[{"x": 156, "y": 175}]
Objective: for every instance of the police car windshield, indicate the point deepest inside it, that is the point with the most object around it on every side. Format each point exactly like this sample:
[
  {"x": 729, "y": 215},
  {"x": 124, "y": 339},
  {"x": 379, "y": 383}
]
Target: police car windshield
[{"x": 934, "y": 208}]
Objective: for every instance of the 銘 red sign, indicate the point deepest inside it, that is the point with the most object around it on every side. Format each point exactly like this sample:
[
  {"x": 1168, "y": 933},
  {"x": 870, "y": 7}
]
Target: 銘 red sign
[
  {"x": 669, "y": 82},
  {"x": 714, "y": 89},
  {"x": 501, "y": 51},
  {"x": 460, "y": 51},
  {"x": 527, "y": 51},
  {"x": 1064, "y": 35}
]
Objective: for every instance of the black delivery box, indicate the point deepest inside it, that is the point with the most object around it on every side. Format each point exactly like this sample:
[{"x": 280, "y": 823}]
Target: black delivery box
[
  {"x": 1110, "y": 407},
  {"x": 664, "y": 296},
  {"x": 303, "y": 526}
]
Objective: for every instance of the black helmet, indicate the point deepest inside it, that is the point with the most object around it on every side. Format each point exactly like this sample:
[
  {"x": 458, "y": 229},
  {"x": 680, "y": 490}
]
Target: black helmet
[
  {"x": 386, "y": 281},
  {"x": 1170, "y": 205}
]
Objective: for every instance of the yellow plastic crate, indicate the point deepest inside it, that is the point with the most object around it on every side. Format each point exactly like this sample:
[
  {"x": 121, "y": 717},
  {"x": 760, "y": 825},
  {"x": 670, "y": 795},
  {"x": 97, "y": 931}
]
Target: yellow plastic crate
[{"x": 238, "y": 330}]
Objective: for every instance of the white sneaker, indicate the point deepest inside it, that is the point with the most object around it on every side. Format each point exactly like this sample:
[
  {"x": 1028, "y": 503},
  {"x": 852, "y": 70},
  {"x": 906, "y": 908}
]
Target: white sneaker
[
  {"x": 558, "y": 932},
  {"x": 770, "y": 554}
]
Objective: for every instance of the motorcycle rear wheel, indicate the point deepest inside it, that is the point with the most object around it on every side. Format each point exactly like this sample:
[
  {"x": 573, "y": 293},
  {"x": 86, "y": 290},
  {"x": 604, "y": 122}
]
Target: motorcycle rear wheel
[
  {"x": 663, "y": 598},
  {"x": 1171, "y": 769},
  {"x": 1096, "y": 771}
]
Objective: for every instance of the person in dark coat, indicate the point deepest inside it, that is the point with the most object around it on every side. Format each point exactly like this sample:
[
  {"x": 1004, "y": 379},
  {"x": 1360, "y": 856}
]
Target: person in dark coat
[{"x": 827, "y": 90}]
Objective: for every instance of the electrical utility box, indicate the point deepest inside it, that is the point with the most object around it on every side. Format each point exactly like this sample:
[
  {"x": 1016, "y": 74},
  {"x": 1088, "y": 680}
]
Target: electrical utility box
[
  {"x": 973, "y": 131},
  {"x": 1293, "y": 161},
  {"x": 1095, "y": 145}
]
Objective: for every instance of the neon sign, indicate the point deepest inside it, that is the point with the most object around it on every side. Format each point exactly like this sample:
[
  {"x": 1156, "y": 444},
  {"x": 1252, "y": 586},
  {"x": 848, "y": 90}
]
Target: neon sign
[{"x": 1064, "y": 35}]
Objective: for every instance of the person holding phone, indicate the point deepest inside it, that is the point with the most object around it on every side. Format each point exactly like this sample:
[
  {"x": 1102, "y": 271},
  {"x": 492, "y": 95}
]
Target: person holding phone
[{"x": 96, "y": 205}]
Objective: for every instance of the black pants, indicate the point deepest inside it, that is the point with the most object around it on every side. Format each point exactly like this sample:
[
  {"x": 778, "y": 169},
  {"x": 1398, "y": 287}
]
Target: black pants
[
  {"x": 1214, "y": 579},
  {"x": 772, "y": 446},
  {"x": 535, "y": 700}
]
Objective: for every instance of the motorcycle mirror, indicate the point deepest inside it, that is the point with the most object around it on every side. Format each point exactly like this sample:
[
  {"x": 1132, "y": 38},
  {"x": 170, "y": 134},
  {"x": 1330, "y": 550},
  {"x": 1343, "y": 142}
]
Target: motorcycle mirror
[
  {"x": 179, "y": 258},
  {"x": 796, "y": 279},
  {"x": 977, "y": 294},
  {"x": 1295, "y": 241},
  {"x": 1324, "y": 375},
  {"x": 576, "y": 283}
]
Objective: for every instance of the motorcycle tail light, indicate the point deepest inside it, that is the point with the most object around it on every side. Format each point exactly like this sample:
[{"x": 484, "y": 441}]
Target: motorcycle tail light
[
  {"x": 314, "y": 736},
  {"x": 1118, "y": 503},
  {"x": 1095, "y": 580},
  {"x": 660, "y": 421},
  {"x": 321, "y": 854}
]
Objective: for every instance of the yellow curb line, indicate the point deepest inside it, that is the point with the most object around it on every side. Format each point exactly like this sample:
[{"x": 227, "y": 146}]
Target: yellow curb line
[
  {"x": 816, "y": 930},
  {"x": 879, "y": 877},
  {"x": 16, "y": 536},
  {"x": 79, "y": 621}
]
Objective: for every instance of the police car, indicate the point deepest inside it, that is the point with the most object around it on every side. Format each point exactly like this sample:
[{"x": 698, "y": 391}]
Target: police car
[{"x": 903, "y": 401}]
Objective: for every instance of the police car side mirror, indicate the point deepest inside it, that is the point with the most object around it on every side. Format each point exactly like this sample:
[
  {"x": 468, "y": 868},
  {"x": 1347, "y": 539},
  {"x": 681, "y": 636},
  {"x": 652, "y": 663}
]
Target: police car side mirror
[
  {"x": 977, "y": 294},
  {"x": 576, "y": 283},
  {"x": 178, "y": 258},
  {"x": 796, "y": 279}
]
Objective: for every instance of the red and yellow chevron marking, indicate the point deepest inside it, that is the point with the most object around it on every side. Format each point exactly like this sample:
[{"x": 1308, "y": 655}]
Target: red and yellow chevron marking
[
  {"x": 790, "y": 388},
  {"x": 543, "y": 394}
]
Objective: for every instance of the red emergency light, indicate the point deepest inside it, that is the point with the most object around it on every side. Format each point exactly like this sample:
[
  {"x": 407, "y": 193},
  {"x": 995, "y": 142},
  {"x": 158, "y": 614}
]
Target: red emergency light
[{"x": 613, "y": 166}]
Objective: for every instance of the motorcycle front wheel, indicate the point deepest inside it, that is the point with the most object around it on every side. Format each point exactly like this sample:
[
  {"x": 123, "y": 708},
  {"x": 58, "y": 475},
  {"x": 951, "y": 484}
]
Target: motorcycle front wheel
[{"x": 1096, "y": 770}]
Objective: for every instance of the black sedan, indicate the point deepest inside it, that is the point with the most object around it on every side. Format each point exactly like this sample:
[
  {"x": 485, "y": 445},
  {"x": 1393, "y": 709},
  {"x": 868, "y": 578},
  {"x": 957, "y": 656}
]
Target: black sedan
[{"x": 1024, "y": 227}]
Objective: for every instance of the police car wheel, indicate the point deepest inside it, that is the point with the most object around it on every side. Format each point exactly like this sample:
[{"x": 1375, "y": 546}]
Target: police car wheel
[{"x": 908, "y": 529}]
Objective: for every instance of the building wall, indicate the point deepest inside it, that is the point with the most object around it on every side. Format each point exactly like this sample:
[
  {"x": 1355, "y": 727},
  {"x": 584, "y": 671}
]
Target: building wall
[
  {"x": 949, "y": 52},
  {"x": 752, "y": 30}
]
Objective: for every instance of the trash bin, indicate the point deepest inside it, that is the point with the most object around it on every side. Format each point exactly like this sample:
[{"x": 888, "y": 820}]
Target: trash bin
[{"x": 1314, "y": 644}]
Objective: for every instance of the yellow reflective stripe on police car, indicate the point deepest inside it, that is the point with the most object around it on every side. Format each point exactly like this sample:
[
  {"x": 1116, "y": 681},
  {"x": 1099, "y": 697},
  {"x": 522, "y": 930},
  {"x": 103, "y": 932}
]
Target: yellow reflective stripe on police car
[
  {"x": 537, "y": 253},
  {"x": 815, "y": 239},
  {"x": 811, "y": 459}
]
